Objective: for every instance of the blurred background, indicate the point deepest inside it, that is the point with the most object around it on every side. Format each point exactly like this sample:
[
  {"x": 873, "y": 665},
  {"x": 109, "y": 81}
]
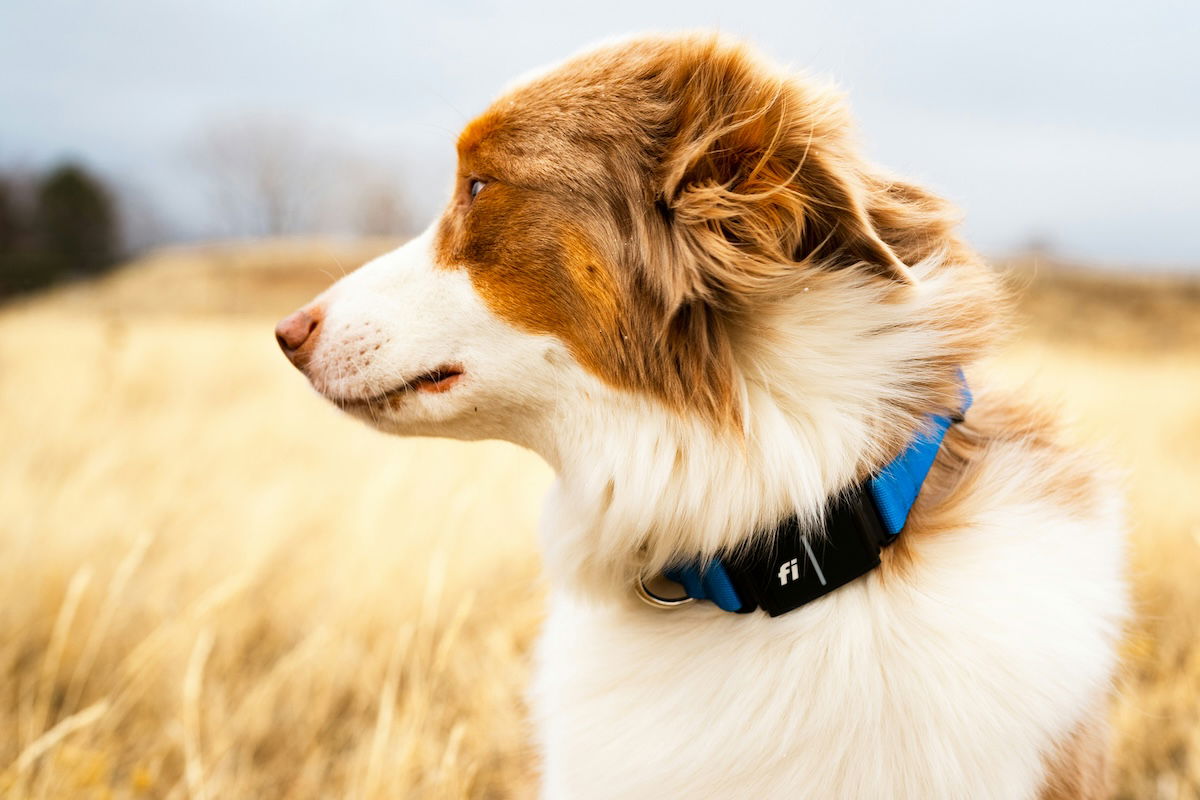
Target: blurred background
[{"x": 213, "y": 585}]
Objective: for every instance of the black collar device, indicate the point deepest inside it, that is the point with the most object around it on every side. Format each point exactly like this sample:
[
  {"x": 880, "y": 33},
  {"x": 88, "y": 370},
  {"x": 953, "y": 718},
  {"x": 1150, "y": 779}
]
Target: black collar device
[{"x": 789, "y": 567}]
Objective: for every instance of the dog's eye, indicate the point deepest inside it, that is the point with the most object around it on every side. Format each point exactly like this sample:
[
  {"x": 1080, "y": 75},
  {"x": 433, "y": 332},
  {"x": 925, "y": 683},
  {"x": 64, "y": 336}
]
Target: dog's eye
[{"x": 475, "y": 188}]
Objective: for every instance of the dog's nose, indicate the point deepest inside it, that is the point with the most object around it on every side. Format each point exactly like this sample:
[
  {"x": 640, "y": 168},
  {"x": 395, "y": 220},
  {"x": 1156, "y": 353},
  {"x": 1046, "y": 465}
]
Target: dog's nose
[{"x": 297, "y": 333}]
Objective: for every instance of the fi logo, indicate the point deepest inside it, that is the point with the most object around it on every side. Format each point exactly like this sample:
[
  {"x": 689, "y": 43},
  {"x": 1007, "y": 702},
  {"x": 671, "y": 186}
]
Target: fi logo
[{"x": 790, "y": 570}]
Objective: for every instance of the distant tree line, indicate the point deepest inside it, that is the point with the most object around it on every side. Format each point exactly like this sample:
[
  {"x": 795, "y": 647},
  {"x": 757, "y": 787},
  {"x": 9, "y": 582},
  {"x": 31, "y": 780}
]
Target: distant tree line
[
  {"x": 55, "y": 226},
  {"x": 266, "y": 176}
]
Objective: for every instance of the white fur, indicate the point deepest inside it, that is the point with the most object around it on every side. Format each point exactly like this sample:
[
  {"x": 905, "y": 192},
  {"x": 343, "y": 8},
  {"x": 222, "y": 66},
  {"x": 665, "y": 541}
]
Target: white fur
[
  {"x": 952, "y": 684},
  {"x": 952, "y": 681}
]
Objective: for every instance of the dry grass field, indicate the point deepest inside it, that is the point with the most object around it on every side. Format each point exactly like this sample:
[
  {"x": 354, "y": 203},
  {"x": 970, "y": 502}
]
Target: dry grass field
[{"x": 215, "y": 586}]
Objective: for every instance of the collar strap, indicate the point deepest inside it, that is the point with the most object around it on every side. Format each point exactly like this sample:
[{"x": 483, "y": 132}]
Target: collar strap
[{"x": 785, "y": 568}]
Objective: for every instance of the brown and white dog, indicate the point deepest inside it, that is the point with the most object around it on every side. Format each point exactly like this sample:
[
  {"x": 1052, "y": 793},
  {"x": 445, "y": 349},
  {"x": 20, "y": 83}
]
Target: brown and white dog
[{"x": 667, "y": 269}]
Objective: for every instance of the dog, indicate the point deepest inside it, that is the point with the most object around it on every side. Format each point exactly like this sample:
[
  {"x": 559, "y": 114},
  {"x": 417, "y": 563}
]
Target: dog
[{"x": 667, "y": 269}]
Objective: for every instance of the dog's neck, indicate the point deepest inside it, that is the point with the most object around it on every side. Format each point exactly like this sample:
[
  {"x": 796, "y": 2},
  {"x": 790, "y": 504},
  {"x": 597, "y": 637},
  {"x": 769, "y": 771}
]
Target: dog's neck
[{"x": 832, "y": 385}]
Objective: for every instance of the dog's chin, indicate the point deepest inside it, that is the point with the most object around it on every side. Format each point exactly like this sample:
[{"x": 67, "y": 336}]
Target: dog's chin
[{"x": 409, "y": 406}]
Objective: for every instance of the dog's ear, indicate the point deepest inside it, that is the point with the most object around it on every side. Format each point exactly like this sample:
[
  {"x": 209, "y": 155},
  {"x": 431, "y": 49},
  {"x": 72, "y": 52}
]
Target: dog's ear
[{"x": 760, "y": 179}]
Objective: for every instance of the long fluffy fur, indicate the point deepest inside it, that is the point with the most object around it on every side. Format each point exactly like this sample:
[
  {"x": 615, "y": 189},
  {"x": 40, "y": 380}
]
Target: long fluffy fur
[{"x": 685, "y": 288}]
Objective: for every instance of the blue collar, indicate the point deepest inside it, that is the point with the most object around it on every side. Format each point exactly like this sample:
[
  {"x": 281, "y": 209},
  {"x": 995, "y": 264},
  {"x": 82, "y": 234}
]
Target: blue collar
[{"x": 786, "y": 568}]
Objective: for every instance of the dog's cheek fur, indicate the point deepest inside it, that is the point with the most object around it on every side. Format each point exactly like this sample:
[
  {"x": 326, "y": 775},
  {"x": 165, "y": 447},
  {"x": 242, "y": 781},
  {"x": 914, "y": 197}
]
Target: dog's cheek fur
[
  {"x": 538, "y": 263},
  {"x": 534, "y": 268}
]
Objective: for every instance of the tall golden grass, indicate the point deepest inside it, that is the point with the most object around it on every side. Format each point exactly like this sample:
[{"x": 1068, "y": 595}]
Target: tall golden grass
[{"x": 215, "y": 586}]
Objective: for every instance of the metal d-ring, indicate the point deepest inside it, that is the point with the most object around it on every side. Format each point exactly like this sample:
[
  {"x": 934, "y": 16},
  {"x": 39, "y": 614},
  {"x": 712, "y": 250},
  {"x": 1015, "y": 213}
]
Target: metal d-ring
[{"x": 651, "y": 599}]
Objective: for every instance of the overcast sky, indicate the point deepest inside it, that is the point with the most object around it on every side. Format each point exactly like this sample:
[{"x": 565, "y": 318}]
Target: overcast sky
[{"x": 1075, "y": 122}]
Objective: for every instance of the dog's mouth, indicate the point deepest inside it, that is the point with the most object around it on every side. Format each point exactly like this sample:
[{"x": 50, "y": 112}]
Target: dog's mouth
[{"x": 435, "y": 381}]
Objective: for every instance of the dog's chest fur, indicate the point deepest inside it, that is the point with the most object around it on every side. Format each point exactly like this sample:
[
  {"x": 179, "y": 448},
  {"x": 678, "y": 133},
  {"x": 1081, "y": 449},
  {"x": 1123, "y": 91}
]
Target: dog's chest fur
[{"x": 955, "y": 676}]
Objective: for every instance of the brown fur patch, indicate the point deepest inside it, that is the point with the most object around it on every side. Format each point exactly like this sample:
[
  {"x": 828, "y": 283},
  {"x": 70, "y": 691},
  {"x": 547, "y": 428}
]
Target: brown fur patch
[
  {"x": 1078, "y": 769},
  {"x": 996, "y": 427},
  {"x": 643, "y": 200}
]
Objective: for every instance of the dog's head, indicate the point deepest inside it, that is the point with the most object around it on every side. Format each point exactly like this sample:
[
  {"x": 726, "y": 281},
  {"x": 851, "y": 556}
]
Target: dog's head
[{"x": 620, "y": 224}]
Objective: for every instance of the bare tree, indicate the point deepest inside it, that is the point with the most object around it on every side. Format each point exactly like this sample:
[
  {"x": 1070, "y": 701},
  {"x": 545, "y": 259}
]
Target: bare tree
[
  {"x": 273, "y": 176},
  {"x": 371, "y": 201},
  {"x": 265, "y": 173}
]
